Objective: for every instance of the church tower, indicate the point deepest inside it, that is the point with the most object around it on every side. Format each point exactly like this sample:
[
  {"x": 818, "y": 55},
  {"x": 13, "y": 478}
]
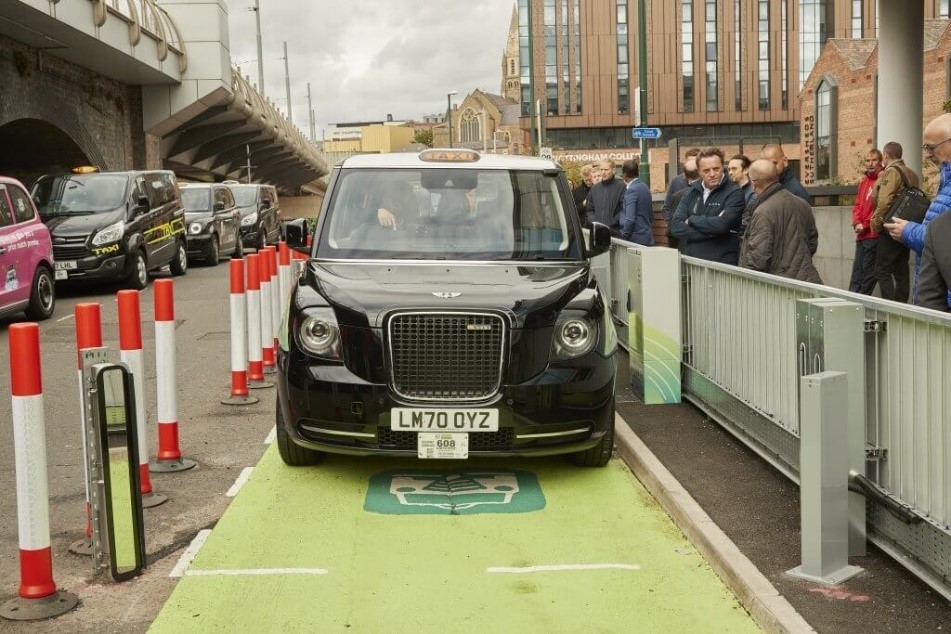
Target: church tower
[{"x": 511, "y": 82}]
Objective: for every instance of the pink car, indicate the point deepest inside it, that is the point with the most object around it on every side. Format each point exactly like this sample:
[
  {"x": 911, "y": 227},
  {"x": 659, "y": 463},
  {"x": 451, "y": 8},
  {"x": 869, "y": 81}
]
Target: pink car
[{"x": 26, "y": 255}]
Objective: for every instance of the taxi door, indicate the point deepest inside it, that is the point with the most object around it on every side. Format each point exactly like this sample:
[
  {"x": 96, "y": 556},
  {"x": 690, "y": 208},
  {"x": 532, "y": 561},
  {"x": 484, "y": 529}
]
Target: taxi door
[
  {"x": 159, "y": 240},
  {"x": 13, "y": 289}
]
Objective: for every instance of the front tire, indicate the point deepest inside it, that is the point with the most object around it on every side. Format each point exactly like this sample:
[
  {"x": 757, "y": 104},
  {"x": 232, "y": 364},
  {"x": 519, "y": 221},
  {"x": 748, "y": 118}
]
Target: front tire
[
  {"x": 139, "y": 277},
  {"x": 42, "y": 295},
  {"x": 211, "y": 255},
  {"x": 179, "y": 266},
  {"x": 292, "y": 454},
  {"x": 600, "y": 454},
  {"x": 262, "y": 240},
  {"x": 238, "y": 248}
]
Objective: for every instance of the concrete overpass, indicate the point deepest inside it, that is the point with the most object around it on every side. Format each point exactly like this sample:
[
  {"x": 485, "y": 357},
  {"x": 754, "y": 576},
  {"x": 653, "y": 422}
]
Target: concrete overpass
[{"x": 137, "y": 84}]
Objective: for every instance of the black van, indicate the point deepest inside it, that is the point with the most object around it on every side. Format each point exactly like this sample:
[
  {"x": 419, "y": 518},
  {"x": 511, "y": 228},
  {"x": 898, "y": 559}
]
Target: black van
[
  {"x": 113, "y": 226},
  {"x": 260, "y": 213},
  {"x": 213, "y": 222}
]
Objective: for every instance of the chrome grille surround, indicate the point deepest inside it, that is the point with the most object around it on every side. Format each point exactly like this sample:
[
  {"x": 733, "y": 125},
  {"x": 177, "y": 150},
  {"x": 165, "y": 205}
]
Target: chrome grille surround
[{"x": 446, "y": 356}]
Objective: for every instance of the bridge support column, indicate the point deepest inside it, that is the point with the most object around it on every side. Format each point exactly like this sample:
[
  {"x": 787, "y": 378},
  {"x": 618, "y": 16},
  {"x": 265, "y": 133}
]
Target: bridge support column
[
  {"x": 900, "y": 76},
  {"x": 653, "y": 304}
]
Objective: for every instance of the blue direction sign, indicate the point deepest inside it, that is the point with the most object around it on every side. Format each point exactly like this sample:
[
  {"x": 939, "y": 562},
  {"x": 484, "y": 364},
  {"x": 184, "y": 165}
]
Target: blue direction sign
[{"x": 645, "y": 133}]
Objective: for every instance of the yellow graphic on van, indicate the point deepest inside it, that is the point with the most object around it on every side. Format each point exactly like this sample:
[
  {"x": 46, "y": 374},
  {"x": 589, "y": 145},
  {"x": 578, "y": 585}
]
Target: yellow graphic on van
[
  {"x": 164, "y": 231},
  {"x": 112, "y": 248}
]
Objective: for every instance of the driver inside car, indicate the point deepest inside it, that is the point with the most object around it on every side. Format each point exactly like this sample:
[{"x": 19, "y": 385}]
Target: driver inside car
[{"x": 397, "y": 205}]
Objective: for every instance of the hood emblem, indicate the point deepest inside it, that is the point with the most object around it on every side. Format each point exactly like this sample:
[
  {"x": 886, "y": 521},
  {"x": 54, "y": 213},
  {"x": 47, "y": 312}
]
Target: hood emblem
[{"x": 447, "y": 294}]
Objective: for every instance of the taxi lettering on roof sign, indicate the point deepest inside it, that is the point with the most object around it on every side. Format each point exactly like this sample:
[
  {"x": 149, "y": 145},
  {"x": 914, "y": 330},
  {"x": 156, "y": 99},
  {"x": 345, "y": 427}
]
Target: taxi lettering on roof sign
[
  {"x": 85, "y": 169},
  {"x": 449, "y": 156}
]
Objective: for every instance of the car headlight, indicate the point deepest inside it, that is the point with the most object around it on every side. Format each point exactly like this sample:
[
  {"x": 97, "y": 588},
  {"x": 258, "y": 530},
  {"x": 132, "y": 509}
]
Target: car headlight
[
  {"x": 195, "y": 228},
  {"x": 319, "y": 334},
  {"x": 112, "y": 233},
  {"x": 576, "y": 334},
  {"x": 250, "y": 219}
]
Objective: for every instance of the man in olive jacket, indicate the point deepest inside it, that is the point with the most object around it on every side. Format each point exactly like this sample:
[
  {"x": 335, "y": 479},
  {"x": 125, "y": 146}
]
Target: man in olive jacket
[
  {"x": 782, "y": 236},
  {"x": 707, "y": 220}
]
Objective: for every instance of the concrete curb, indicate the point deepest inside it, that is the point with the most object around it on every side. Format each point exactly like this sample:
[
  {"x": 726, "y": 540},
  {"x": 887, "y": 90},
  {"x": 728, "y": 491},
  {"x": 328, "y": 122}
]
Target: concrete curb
[{"x": 769, "y": 609}]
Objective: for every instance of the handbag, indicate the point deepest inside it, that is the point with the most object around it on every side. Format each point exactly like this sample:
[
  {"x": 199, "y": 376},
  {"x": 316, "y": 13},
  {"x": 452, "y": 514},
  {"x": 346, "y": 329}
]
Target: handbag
[{"x": 910, "y": 204}]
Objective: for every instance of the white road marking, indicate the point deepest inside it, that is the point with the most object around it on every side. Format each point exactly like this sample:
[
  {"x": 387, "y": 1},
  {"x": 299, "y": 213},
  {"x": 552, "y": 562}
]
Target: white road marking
[
  {"x": 70, "y": 316},
  {"x": 256, "y": 571},
  {"x": 189, "y": 555},
  {"x": 270, "y": 436},
  {"x": 563, "y": 567},
  {"x": 242, "y": 478}
]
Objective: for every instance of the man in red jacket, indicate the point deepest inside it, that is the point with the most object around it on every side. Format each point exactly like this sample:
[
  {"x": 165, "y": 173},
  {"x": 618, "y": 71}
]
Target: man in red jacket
[{"x": 863, "y": 266}]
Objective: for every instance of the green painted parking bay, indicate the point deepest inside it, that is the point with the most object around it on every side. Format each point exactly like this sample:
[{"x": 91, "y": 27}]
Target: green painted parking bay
[{"x": 372, "y": 545}]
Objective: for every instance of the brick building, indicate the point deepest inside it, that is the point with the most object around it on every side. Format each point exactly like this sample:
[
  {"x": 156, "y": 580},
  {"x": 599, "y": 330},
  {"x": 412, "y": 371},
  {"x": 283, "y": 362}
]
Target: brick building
[
  {"x": 838, "y": 103},
  {"x": 484, "y": 122}
]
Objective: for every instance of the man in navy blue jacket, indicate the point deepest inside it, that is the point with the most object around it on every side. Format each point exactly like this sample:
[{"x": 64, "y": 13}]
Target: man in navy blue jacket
[
  {"x": 774, "y": 152},
  {"x": 638, "y": 213},
  {"x": 707, "y": 221}
]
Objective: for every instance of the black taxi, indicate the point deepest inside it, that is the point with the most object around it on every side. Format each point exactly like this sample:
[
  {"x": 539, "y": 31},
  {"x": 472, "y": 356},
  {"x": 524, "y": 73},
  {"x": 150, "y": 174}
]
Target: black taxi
[
  {"x": 448, "y": 310},
  {"x": 113, "y": 226}
]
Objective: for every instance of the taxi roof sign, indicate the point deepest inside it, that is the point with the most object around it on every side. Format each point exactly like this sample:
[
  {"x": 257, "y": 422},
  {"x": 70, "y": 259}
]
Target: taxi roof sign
[
  {"x": 449, "y": 156},
  {"x": 85, "y": 169}
]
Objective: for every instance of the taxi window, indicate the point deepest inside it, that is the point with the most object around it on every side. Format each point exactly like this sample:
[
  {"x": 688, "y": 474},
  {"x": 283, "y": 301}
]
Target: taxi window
[
  {"x": 220, "y": 196},
  {"x": 22, "y": 207},
  {"x": 228, "y": 198},
  {"x": 6, "y": 217},
  {"x": 442, "y": 213}
]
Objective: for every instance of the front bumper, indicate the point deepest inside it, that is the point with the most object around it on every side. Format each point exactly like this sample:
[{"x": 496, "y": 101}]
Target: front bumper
[
  {"x": 197, "y": 245},
  {"x": 99, "y": 269},
  {"x": 565, "y": 409}
]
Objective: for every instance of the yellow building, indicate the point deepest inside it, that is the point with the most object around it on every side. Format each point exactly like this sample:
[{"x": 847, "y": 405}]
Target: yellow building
[{"x": 373, "y": 139}]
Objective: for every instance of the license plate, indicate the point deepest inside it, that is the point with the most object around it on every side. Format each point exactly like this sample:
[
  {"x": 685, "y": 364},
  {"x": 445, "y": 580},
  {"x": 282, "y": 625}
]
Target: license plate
[
  {"x": 66, "y": 265},
  {"x": 435, "y": 446},
  {"x": 62, "y": 274},
  {"x": 443, "y": 419}
]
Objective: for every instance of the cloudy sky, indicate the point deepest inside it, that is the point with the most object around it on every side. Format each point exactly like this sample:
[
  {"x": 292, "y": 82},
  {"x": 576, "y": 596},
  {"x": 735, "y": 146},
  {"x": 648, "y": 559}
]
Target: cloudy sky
[{"x": 365, "y": 59}]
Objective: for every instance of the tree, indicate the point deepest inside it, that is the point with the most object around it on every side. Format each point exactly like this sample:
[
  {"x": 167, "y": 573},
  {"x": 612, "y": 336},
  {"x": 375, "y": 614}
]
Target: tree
[{"x": 424, "y": 136}]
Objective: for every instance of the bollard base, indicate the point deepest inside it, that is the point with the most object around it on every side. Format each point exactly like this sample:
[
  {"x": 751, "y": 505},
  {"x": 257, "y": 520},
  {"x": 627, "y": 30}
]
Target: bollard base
[
  {"x": 153, "y": 499},
  {"x": 259, "y": 385},
  {"x": 270, "y": 369},
  {"x": 83, "y": 547},
  {"x": 833, "y": 579},
  {"x": 171, "y": 466},
  {"x": 20, "y": 609},
  {"x": 240, "y": 400}
]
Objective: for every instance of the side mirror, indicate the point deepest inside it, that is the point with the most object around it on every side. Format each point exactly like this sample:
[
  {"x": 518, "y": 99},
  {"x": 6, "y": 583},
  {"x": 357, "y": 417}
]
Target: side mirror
[
  {"x": 600, "y": 239},
  {"x": 265, "y": 204},
  {"x": 219, "y": 206},
  {"x": 295, "y": 234},
  {"x": 141, "y": 206}
]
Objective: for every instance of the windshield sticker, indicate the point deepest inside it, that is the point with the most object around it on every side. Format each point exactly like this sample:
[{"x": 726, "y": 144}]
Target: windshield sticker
[{"x": 455, "y": 492}]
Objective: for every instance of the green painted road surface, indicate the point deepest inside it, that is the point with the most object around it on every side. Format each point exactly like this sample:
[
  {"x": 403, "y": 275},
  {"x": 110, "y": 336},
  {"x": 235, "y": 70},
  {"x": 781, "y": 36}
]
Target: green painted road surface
[{"x": 308, "y": 550}]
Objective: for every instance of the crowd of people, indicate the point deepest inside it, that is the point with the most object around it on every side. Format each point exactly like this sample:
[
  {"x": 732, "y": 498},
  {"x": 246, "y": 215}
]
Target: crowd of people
[{"x": 756, "y": 214}]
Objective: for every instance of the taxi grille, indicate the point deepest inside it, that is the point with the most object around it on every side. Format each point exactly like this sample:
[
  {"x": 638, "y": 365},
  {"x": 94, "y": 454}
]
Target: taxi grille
[
  {"x": 71, "y": 248},
  {"x": 446, "y": 356},
  {"x": 501, "y": 440}
]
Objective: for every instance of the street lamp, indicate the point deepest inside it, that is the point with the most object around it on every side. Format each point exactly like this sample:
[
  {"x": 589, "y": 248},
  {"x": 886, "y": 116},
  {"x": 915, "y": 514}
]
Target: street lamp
[{"x": 449, "y": 112}]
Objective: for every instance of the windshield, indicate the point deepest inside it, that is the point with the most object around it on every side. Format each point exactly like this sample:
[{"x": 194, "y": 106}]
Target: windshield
[
  {"x": 244, "y": 195},
  {"x": 196, "y": 199},
  {"x": 79, "y": 193},
  {"x": 438, "y": 213}
]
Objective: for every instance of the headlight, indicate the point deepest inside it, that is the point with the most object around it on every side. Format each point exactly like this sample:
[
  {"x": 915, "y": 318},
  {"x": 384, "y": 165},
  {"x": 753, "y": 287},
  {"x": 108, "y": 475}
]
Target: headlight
[
  {"x": 575, "y": 335},
  {"x": 250, "y": 219},
  {"x": 195, "y": 228},
  {"x": 112, "y": 233},
  {"x": 319, "y": 334}
]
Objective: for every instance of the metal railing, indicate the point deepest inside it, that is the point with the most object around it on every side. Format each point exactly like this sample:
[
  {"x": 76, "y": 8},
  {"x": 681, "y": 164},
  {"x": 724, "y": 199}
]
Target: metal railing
[{"x": 741, "y": 366}]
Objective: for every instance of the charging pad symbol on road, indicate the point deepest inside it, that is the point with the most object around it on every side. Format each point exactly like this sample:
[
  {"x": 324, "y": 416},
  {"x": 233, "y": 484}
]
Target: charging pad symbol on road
[{"x": 460, "y": 492}]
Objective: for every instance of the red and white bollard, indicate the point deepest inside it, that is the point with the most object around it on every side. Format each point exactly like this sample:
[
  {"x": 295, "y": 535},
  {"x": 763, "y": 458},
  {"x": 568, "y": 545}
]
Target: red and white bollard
[
  {"x": 239, "y": 339},
  {"x": 277, "y": 300},
  {"x": 169, "y": 456},
  {"x": 130, "y": 352},
  {"x": 267, "y": 329},
  {"x": 37, "y": 596},
  {"x": 284, "y": 271},
  {"x": 88, "y": 318},
  {"x": 255, "y": 363}
]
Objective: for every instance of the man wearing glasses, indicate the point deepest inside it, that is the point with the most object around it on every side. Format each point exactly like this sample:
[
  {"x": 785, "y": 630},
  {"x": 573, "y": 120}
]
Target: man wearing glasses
[{"x": 937, "y": 147}]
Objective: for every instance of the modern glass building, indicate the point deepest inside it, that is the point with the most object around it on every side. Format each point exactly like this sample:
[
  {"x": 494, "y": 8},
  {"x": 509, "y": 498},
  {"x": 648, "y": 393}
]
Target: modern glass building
[{"x": 716, "y": 68}]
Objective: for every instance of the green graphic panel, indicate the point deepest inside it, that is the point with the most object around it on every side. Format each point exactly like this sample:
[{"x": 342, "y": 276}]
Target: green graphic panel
[{"x": 455, "y": 492}]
